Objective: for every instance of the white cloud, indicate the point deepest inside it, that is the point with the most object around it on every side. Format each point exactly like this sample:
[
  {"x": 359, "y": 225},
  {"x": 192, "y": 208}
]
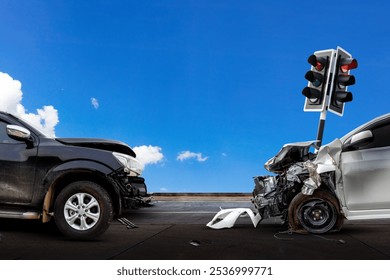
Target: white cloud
[
  {"x": 95, "y": 103},
  {"x": 10, "y": 93},
  {"x": 185, "y": 155},
  {"x": 10, "y": 101},
  {"x": 149, "y": 154}
]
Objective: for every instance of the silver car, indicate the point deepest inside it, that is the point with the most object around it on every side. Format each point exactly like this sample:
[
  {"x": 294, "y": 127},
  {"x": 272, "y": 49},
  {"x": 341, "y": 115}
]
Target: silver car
[{"x": 348, "y": 178}]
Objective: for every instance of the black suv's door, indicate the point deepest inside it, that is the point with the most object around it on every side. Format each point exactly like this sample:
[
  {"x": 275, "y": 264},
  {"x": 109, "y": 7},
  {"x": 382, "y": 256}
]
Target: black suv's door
[{"x": 17, "y": 169}]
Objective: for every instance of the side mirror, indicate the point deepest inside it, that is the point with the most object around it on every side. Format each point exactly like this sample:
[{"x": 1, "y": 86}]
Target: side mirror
[
  {"x": 19, "y": 133},
  {"x": 358, "y": 140}
]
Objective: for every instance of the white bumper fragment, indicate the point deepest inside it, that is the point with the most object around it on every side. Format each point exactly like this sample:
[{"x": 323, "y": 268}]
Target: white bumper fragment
[{"x": 226, "y": 218}]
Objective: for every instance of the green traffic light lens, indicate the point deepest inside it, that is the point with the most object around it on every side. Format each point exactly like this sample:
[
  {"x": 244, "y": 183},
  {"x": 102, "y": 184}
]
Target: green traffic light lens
[{"x": 316, "y": 83}]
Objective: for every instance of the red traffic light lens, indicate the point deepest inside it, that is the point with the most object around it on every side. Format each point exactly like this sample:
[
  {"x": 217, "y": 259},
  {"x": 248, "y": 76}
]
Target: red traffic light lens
[
  {"x": 319, "y": 66},
  {"x": 349, "y": 64},
  {"x": 317, "y": 62}
]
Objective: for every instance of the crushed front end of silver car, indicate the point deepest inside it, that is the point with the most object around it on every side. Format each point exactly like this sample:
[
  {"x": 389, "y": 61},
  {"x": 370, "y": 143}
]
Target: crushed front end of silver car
[
  {"x": 315, "y": 191},
  {"x": 303, "y": 193},
  {"x": 273, "y": 194}
]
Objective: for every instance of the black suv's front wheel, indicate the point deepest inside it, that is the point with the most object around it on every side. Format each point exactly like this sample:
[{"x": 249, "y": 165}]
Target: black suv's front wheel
[{"x": 83, "y": 210}]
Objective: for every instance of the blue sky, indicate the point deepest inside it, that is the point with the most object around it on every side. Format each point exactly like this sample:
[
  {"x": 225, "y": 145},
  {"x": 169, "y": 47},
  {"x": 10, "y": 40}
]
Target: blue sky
[{"x": 219, "y": 80}]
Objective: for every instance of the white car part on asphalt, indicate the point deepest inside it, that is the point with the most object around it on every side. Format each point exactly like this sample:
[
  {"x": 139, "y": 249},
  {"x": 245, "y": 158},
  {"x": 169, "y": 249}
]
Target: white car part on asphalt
[{"x": 226, "y": 218}]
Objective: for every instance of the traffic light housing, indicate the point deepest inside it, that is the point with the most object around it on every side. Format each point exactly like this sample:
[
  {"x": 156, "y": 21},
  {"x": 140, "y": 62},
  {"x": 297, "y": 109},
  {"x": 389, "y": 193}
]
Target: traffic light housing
[
  {"x": 342, "y": 79},
  {"x": 318, "y": 80}
]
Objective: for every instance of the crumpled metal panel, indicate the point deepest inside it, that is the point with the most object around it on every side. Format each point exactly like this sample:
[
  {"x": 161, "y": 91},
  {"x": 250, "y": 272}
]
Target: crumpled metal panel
[
  {"x": 327, "y": 160},
  {"x": 290, "y": 153},
  {"x": 328, "y": 157}
]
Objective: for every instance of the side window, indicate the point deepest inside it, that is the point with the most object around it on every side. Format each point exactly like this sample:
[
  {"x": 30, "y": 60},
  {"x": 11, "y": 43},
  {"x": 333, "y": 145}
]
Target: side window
[
  {"x": 381, "y": 134},
  {"x": 4, "y": 138}
]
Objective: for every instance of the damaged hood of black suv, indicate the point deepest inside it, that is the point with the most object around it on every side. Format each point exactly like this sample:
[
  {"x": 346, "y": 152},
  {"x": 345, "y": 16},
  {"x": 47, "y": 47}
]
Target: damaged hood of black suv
[{"x": 101, "y": 144}]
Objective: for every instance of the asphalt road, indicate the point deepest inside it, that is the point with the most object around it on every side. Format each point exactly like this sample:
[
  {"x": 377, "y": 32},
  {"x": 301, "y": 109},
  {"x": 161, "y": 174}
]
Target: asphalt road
[{"x": 174, "y": 228}]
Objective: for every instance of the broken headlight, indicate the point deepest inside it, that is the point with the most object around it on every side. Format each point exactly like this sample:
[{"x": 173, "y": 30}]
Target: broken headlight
[{"x": 131, "y": 166}]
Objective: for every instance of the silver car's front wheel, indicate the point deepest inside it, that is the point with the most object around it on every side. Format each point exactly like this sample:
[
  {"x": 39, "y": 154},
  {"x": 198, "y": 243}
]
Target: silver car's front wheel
[
  {"x": 83, "y": 210},
  {"x": 317, "y": 213}
]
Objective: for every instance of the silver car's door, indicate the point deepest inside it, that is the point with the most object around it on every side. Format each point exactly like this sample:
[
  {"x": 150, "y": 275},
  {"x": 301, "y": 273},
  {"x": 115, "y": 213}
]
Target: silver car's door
[{"x": 366, "y": 171}]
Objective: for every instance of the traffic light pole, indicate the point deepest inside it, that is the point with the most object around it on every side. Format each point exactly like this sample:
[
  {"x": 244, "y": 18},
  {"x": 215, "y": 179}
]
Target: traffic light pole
[
  {"x": 321, "y": 123},
  {"x": 321, "y": 127}
]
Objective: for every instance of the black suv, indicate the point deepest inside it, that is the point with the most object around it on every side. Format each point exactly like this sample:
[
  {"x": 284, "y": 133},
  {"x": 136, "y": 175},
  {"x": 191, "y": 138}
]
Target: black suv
[{"x": 82, "y": 183}]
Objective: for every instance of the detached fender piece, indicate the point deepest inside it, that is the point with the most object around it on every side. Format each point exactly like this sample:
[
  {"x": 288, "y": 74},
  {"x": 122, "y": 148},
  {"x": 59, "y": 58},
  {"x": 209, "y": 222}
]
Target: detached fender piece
[{"x": 226, "y": 218}]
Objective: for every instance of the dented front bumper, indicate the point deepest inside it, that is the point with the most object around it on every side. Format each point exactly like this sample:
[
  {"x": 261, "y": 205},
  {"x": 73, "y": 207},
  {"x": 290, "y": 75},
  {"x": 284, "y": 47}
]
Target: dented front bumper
[{"x": 226, "y": 218}]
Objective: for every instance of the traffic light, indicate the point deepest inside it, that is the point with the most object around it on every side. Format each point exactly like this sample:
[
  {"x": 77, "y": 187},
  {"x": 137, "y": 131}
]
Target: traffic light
[
  {"x": 318, "y": 78},
  {"x": 342, "y": 79}
]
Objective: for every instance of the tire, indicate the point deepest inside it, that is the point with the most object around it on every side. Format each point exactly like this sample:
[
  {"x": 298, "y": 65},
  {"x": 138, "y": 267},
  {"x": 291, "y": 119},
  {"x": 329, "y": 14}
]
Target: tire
[
  {"x": 83, "y": 210},
  {"x": 318, "y": 213}
]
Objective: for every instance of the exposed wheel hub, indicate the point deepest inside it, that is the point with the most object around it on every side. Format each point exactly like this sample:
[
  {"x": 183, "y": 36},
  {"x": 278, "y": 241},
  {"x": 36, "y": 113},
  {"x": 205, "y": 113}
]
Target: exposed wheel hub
[{"x": 317, "y": 216}]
